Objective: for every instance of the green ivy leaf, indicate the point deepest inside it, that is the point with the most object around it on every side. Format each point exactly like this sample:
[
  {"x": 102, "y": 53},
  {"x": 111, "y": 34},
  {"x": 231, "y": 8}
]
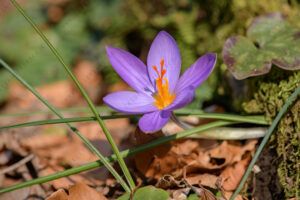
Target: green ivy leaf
[
  {"x": 279, "y": 44},
  {"x": 147, "y": 193}
]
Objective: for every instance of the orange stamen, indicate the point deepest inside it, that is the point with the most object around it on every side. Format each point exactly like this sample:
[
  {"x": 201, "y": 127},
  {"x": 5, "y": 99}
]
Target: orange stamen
[{"x": 163, "y": 98}]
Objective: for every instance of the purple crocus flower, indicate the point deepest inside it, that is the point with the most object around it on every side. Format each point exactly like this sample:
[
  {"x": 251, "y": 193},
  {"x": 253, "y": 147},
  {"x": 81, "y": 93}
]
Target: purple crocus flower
[{"x": 159, "y": 90}]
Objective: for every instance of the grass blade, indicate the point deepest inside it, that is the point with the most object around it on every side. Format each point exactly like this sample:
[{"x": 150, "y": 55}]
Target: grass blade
[
  {"x": 265, "y": 140},
  {"x": 90, "y": 146},
  {"x": 83, "y": 92},
  {"x": 61, "y": 110},
  {"x": 236, "y": 118}
]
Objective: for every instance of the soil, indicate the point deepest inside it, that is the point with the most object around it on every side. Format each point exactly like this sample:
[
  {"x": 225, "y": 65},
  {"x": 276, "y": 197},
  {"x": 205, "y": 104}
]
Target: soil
[{"x": 266, "y": 183}]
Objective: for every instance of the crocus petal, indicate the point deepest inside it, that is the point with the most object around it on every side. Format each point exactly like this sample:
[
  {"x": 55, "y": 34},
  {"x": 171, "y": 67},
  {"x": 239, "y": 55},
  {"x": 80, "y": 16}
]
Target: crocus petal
[
  {"x": 164, "y": 47},
  {"x": 131, "y": 69},
  {"x": 154, "y": 121},
  {"x": 130, "y": 102},
  {"x": 182, "y": 98},
  {"x": 197, "y": 72}
]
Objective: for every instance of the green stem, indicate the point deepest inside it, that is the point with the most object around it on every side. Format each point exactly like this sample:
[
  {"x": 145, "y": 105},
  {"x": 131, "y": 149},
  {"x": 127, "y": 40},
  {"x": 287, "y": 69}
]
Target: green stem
[
  {"x": 62, "y": 110},
  {"x": 88, "y": 100},
  {"x": 257, "y": 119},
  {"x": 245, "y": 119},
  {"x": 90, "y": 146},
  {"x": 113, "y": 158},
  {"x": 265, "y": 140}
]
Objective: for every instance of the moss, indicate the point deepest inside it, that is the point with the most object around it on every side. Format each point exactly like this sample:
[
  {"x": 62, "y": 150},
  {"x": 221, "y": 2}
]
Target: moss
[{"x": 269, "y": 93}]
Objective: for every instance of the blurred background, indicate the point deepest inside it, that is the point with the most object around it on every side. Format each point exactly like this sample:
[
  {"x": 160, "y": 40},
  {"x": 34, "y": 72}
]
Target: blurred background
[{"x": 80, "y": 30}]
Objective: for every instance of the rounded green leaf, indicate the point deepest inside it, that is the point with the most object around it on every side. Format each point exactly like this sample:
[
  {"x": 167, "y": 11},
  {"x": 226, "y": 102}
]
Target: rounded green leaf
[
  {"x": 147, "y": 193},
  {"x": 243, "y": 59},
  {"x": 278, "y": 43}
]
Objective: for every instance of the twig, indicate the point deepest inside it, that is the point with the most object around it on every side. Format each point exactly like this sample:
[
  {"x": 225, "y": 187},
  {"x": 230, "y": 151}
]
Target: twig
[{"x": 17, "y": 164}]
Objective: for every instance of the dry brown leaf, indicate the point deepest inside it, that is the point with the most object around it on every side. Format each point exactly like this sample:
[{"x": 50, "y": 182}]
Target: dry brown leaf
[
  {"x": 74, "y": 154},
  {"x": 169, "y": 158},
  {"x": 78, "y": 191},
  {"x": 119, "y": 128},
  {"x": 90, "y": 78},
  {"x": 66, "y": 182},
  {"x": 233, "y": 174},
  {"x": 44, "y": 141},
  {"x": 204, "y": 179},
  {"x": 191, "y": 155},
  {"x": 238, "y": 197},
  {"x": 58, "y": 195},
  {"x": 225, "y": 154},
  {"x": 59, "y": 94},
  {"x": 168, "y": 182},
  {"x": 87, "y": 74},
  {"x": 16, "y": 194},
  {"x": 81, "y": 191},
  {"x": 145, "y": 161},
  {"x": 88, "y": 178}
]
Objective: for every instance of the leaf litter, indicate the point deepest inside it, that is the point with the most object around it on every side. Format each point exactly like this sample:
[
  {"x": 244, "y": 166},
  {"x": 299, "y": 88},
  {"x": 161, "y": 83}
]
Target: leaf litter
[{"x": 181, "y": 167}]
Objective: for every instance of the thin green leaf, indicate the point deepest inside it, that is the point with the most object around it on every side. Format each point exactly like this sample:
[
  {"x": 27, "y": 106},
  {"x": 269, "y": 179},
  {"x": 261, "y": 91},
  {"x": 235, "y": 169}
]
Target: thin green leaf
[
  {"x": 236, "y": 118},
  {"x": 83, "y": 92},
  {"x": 62, "y": 110}
]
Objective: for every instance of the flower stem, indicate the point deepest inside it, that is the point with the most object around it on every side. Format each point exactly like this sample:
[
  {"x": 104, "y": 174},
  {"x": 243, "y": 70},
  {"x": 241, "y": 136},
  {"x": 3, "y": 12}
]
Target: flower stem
[
  {"x": 86, "y": 97},
  {"x": 75, "y": 130},
  {"x": 180, "y": 123}
]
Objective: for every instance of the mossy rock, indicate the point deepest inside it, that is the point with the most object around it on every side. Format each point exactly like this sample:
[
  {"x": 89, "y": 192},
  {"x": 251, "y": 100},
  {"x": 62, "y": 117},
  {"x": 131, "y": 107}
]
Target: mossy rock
[{"x": 267, "y": 96}]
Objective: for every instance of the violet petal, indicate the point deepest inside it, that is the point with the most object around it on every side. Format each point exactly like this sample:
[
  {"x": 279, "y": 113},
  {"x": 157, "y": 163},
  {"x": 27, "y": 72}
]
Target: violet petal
[
  {"x": 131, "y": 69},
  {"x": 130, "y": 102},
  {"x": 154, "y": 121},
  {"x": 197, "y": 72},
  {"x": 182, "y": 98},
  {"x": 164, "y": 47}
]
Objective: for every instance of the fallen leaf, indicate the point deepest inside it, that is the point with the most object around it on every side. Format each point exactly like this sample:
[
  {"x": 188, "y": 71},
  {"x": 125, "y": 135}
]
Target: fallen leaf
[
  {"x": 225, "y": 154},
  {"x": 145, "y": 161},
  {"x": 168, "y": 182},
  {"x": 58, "y": 195},
  {"x": 193, "y": 156},
  {"x": 238, "y": 197},
  {"x": 77, "y": 154},
  {"x": 59, "y": 94},
  {"x": 233, "y": 174},
  {"x": 89, "y": 77},
  {"x": 66, "y": 182},
  {"x": 81, "y": 191},
  {"x": 44, "y": 141},
  {"x": 78, "y": 191},
  {"x": 204, "y": 179},
  {"x": 16, "y": 194}
]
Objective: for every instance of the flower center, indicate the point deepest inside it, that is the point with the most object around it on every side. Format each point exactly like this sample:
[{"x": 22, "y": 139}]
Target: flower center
[{"x": 163, "y": 98}]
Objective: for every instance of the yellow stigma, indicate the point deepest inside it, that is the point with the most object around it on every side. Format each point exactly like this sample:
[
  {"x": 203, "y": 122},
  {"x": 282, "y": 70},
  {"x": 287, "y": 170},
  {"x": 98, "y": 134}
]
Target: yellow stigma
[{"x": 163, "y": 98}]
